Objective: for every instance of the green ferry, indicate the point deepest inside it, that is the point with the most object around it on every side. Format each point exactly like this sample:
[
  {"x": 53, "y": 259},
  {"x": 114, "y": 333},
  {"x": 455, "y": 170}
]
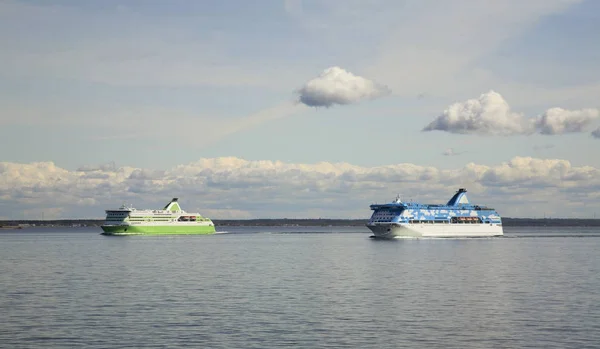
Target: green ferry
[{"x": 171, "y": 220}]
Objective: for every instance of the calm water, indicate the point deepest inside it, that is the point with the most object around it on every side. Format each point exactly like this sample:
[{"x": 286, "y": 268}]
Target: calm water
[{"x": 299, "y": 288}]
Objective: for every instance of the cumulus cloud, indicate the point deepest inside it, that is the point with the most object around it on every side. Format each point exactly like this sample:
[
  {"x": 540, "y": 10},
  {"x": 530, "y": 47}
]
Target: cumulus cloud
[
  {"x": 236, "y": 188},
  {"x": 337, "y": 86},
  {"x": 558, "y": 121},
  {"x": 103, "y": 167},
  {"x": 596, "y": 133},
  {"x": 490, "y": 114},
  {"x": 452, "y": 152}
]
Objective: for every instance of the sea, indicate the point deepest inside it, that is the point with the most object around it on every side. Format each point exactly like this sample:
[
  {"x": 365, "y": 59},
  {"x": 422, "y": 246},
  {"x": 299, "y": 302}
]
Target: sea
[{"x": 299, "y": 287}]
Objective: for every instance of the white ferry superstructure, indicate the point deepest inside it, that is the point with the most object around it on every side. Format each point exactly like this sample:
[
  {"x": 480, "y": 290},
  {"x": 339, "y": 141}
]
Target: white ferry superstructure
[{"x": 457, "y": 218}]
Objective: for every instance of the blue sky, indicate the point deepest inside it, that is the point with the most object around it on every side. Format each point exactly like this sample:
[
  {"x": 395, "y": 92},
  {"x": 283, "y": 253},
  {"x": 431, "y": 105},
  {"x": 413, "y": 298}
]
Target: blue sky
[{"x": 159, "y": 85}]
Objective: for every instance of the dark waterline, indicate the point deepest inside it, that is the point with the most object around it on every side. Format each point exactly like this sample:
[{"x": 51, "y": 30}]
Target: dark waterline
[{"x": 300, "y": 287}]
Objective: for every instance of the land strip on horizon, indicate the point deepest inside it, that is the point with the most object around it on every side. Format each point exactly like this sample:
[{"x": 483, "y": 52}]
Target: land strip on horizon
[{"x": 507, "y": 222}]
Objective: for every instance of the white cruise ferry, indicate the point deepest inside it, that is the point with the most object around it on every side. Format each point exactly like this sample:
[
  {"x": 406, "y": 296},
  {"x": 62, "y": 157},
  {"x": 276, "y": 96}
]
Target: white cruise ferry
[{"x": 457, "y": 218}]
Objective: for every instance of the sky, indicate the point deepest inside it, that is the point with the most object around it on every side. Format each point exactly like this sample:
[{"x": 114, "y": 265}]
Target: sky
[{"x": 298, "y": 108}]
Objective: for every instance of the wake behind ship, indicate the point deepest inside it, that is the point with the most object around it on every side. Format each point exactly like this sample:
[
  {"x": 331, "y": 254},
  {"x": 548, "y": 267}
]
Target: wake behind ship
[
  {"x": 171, "y": 220},
  {"x": 457, "y": 218}
]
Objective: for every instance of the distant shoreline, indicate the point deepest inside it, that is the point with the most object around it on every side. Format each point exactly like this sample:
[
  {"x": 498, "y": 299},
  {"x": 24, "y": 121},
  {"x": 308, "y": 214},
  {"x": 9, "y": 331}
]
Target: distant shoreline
[{"x": 507, "y": 222}]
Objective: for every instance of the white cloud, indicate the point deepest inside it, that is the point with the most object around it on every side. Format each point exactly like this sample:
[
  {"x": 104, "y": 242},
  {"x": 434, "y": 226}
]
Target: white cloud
[
  {"x": 337, "y": 86},
  {"x": 237, "y": 188},
  {"x": 558, "y": 121},
  {"x": 596, "y": 133},
  {"x": 491, "y": 114},
  {"x": 452, "y": 152},
  {"x": 108, "y": 167}
]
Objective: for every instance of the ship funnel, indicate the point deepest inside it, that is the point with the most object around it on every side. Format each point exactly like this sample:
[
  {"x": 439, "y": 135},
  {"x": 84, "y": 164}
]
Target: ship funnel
[
  {"x": 172, "y": 206},
  {"x": 459, "y": 198}
]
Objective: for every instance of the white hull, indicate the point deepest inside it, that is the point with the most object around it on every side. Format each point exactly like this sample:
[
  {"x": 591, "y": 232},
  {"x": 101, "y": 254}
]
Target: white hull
[{"x": 392, "y": 230}]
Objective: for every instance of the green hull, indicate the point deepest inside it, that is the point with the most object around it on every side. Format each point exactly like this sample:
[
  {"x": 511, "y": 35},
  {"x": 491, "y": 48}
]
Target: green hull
[{"x": 158, "y": 230}]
